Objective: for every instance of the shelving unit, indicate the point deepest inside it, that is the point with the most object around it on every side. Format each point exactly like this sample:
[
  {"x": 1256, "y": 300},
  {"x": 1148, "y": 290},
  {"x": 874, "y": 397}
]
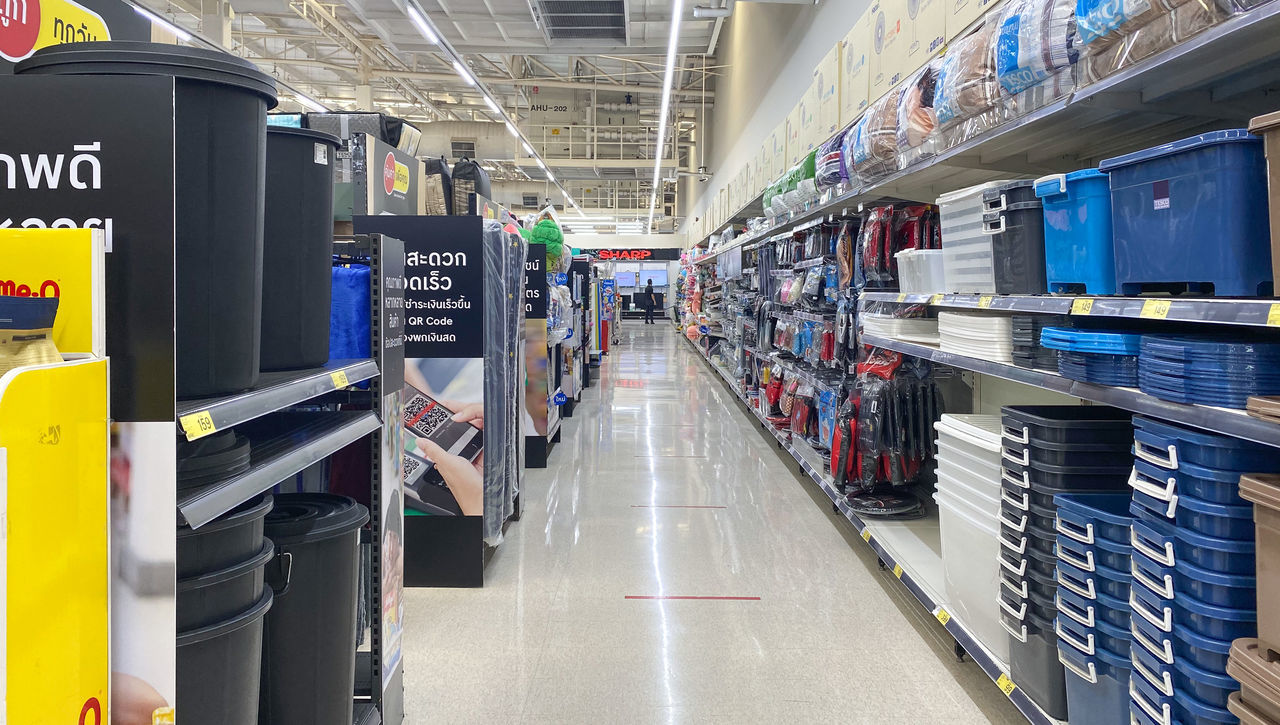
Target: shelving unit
[
  {"x": 1218, "y": 76},
  {"x": 908, "y": 549}
]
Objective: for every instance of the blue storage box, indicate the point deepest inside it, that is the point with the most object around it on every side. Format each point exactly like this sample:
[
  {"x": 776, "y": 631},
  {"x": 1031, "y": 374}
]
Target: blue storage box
[
  {"x": 1210, "y": 688},
  {"x": 1087, "y": 517},
  {"x": 1102, "y": 635},
  {"x": 1097, "y": 686},
  {"x": 1078, "y": 253},
  {"x": 1157, "y": 705},
  {"x": 1207, "y": 484},
  {"x": 1090, "y": 556},
  {"x": 1088, "y": 584},
  {"x": 1192, "y": 212},
  {"x": 1205, "y": 517},
  {"x": 1152, "y": 668},
  {"x": 1233, "y": 591},
  {"x": 1087, "y": 611},
  {"x": 1167, "y": 544}
]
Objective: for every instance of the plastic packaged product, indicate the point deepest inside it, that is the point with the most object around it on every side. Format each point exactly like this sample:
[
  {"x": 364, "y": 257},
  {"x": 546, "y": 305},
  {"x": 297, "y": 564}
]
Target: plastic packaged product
[
  {"x": 829, "y": 162},
  {"x": 875, "y": 147},
  {"x": 917, "y": 118},
  {"x": 1101, "y": 22},
  {"x": 806, "y": 180},
  {"x": 1167, "y": 200},
  {"x": 967, "y": 77},
  {"x": 1157, "y": 32},
  {"x": 1035, "y": 39}
]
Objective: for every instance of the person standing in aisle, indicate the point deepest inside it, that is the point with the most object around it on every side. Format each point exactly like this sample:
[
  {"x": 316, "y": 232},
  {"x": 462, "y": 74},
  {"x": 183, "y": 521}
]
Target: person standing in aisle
[{"x": 649, "y": 302}]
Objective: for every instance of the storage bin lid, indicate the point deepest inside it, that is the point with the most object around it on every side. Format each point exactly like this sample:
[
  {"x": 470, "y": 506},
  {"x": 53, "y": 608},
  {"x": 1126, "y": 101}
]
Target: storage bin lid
[
  {"x": 310, "y": 133},
  {"x": 1252, "y": 670},
  {"x": 307, "y": 517},
  {"x": 967, "y": 192},
  {"x": 1260, "y": 488},
  {"x": 984, "y": 429},
  {"x": 1052, "y": 185},
  {"x": 1233, "y": 135},
  {"x": 1265, "y": 123},
  {"x": 120, "y": 57}
]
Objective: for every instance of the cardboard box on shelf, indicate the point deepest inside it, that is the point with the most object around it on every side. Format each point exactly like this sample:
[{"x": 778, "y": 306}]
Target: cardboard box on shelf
[
  {"x": 794, "y": 137},
  {"x": 855, "y": 82},
  {"x": 810, "y": 133},
  {"x": 888, "y": 49},
  {"x": 826, "y": 78},
  {"x": 924, "y": 32},
  {"x": 963, "y": 13},
  {"x": 778, "y": 151}
]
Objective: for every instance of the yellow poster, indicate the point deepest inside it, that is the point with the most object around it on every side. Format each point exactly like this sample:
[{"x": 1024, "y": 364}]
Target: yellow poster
[
  {"x": 63, "y": 263},
  {"x": 53, "y": 447}
]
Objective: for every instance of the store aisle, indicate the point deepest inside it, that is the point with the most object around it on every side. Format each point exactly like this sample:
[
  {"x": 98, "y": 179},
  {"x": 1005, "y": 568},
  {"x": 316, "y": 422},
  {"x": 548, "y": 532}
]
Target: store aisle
[{"x": 663, "y": 487}]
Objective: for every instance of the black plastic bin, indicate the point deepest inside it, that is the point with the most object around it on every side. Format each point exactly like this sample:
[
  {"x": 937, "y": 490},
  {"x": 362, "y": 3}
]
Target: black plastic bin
[
  {"x": 1065, "y": 479},
  {"x": 309, "y": 657},
  {"x": 232, "y": 537},
  {"x": 1014, "y": 218},
  {"x": 1066, "y": 423},
  {"x": 297, "y": 248},
  {"x": 1035, "y": 666},
  {"x": 217, "y": 673},
  {"x": 212, "y": 596},
  {"x": 1047, "y": 453},
  {"x": 220, "y": 110}
]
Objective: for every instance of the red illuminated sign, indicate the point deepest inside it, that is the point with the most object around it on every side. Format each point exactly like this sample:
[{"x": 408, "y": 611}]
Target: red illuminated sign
[{"x": 637, "y": 255}]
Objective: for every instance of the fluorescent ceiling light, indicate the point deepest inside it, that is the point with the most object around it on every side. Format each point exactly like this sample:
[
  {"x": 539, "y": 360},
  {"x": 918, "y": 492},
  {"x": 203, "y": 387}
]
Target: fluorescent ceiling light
[
  {"x": 420, "y": 22},
  {"x": 512, "y": 130},
  {"x": 311, "y": 103},
  {"x": 462, "y": 72},
  {"x": 492, "y": 106},
  {"x": 541, "y": 165},
  {"x": 528, "y": 149},
  {"x": 677, "y": 6},
  {"x": 164, "y": 24}
]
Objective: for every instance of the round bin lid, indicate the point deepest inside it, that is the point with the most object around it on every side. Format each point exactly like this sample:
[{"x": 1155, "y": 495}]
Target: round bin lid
[
  {"x": 139, "y": 58},
  {"x": 306, "y": 517},
  {"x": 309, "y": 133}
]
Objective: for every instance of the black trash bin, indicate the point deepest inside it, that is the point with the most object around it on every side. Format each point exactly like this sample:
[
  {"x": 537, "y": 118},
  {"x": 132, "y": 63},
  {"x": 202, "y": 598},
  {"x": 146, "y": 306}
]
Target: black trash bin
[
  {"x": 220, "y": 109},
  {"x": 297, "y": 248},
  {"x": 309, "y": 646},
  {"x": 217, "y": 677}
]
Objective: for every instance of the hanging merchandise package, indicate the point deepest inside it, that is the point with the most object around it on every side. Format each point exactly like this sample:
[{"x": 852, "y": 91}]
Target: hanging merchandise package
[
  {"x": 1034, "y": 40},
  {"x": 967, "y": 87},
  {"x": 875, "y": 148},
  {"x": 830, "y": 162},
  {"x": 917, "y": 118},
  {"x": 26, "y": 332}
]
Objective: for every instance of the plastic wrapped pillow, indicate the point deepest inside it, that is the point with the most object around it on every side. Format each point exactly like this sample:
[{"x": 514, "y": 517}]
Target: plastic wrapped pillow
[
  {"x": 1103, "y": 22},
  {"x": 829, "y": 162},
  {"x": 807, "y": 181},
  {"x": 967, "y": 77},
  {"x": 1164, "y": 31},
  {"x": 848, "y": 146},
  {"x": 1034, "y": 39},
  {"x": 917, "y": 119},
  {"x": 791, "y": 194},
  {"x": 876, "y": 147}
]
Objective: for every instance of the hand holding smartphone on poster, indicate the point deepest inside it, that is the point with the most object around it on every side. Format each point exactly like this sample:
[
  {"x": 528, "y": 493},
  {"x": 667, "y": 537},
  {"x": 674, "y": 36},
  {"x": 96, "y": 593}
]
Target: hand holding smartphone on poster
[{"x": 444, "y": 455}]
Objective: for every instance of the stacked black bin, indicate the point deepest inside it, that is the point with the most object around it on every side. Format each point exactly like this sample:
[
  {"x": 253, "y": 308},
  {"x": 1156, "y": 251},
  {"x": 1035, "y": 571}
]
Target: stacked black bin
[{"x": 1048, "y": 449}]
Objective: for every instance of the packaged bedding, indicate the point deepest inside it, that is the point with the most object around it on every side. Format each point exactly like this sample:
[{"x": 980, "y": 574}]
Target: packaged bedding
[
  {"x": 829, "y": 162},
  {"x": 1160, "y": 32},
  {"x": 1034, "y": 40},
  {"x": 875, "y": 146},
  {"x": 967, "y": 77},
  {"x": 917, "y": 119}
]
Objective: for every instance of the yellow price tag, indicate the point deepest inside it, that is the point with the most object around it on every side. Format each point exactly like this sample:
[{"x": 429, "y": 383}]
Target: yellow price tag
[
  {"x": 943, "y": 616},
  {"x": 984, "y": 302},
  {"x": 198, "y": 425},
  {"x": 866, "y": 535},
  {"x": 1273, "y": 316},
  {"x": 935, "y": 300},
  {"x": 340, "y": 379},
  {"x": 897, "y": 570},
  {"x": 1082, "y": 306},
  {"x": 902, "y": 296},
  {"x": 1006, "y": 685},
  {"x": 1155, "y": 309}
]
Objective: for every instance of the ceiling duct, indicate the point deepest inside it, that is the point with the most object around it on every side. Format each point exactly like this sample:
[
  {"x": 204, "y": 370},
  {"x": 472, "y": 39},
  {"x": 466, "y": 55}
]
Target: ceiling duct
[{"x": 583, "y": 19}]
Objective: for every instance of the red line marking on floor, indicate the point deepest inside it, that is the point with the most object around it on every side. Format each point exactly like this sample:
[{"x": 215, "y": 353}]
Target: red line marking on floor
[
  {"x": 671, "y": 506},
  {"x": 718, "y": 599}
]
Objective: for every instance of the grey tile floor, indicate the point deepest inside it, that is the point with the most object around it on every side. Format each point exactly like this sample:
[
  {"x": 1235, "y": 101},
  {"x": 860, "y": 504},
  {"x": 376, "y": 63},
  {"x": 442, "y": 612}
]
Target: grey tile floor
[{"x": 552, "y": 638}]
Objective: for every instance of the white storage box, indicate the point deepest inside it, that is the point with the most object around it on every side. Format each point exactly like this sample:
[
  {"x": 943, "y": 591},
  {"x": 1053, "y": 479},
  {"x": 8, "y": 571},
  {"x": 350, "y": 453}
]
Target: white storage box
[
  {"x": 970, "y": 489},
  {"x": 977, "y": 334},
  {"x": 967, "y": 260},
  {"x": 970, "y": 562},
  {"x": 910, "y": 329},
  {"x": 920, "y": 271}
]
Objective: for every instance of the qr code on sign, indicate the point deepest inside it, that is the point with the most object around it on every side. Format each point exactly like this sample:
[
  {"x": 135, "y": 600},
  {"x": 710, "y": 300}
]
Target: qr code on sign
[
  {"x": 424, "y": 424},
  {"x": 411, "y": 465}
]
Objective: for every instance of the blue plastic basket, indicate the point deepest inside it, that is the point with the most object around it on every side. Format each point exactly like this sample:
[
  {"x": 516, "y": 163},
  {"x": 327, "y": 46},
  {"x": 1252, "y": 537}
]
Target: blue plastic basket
[
  {"x": 1233, "y": 591},
  {"x": 1167, "y": 445},
  {"x": 1206, "y": 484},
  {"x": 1152, "y": 668},
  {"x": 1087, "y": 611},
  {"x": 1170, "y": 201},
  {"x": 1087, "y": 517},
  {"x": 1102, "y": 635},
  {"x": 1095, "y": 341},
  {"x": 1167, "y": 544},
  {"x": 1204, "y": 517},
  {"x": 1097, "y": 685},
  {"x": 1088, "y": 557},
  {"x": 1077, "y": 232},
  {"x": 1088, "y": 584},
  {"x": 1210, "y": 688}
]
